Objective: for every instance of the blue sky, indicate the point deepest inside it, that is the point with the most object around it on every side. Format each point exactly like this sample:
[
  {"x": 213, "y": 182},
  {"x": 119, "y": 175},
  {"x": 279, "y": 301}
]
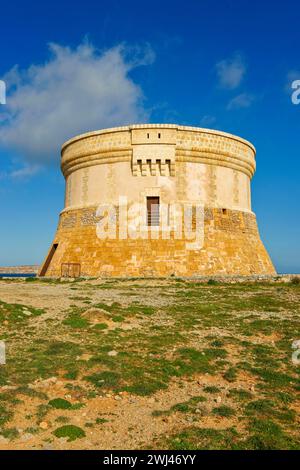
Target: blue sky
[{"x": 85, "y": 65}]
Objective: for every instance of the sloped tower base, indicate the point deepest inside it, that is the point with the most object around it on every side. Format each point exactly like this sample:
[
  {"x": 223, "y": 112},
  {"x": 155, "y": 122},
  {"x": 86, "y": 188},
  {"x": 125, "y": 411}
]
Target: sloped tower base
[{"x": 232, "y": 246}]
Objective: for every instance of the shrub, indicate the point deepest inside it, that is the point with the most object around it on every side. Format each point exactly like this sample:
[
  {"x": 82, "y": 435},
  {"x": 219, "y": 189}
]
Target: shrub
[{"x": 70, "y": 431}]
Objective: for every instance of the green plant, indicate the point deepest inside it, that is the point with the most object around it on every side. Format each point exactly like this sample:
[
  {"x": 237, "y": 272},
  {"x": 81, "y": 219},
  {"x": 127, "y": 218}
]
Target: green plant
[
  {"x": 224, "y": 411},
  {"x": 69, "y": 431},
  {"x": 62, "y": 404},
  {"x": 106, "y": 379},
  {"x": 76, "y": 321},
  {"x": 211, "y": 389},
  {"x": 10, "y": 433}
]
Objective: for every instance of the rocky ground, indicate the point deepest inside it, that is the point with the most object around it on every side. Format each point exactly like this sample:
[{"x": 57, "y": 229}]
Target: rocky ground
[{"x": 168, "y": 364}]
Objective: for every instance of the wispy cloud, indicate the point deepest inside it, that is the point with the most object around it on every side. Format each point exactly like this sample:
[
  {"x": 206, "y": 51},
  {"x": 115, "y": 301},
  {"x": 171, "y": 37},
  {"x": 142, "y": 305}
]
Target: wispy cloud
[
  {"x": 207, "y": 120},
  {"x": 231, "y": 71},
  {"x": 22, "y": 173},
  {"x": 77, "y": 90},
  {"x": 244, "y": 100}
]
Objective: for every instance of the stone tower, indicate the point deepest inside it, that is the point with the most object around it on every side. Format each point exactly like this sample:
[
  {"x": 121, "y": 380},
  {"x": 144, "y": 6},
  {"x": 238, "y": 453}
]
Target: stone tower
[{"x": 162, "y": 172}]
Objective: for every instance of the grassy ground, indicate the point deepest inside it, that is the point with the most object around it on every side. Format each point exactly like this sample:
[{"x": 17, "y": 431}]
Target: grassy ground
[{"x": 149, "y": 364}]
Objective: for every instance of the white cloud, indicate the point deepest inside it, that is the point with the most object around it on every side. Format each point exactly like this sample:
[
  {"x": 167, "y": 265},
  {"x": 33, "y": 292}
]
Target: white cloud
[
  {"x": 244, "y": 100},
  {"x": 73, "y": 92},
  {"x": 230, "y": 72}
]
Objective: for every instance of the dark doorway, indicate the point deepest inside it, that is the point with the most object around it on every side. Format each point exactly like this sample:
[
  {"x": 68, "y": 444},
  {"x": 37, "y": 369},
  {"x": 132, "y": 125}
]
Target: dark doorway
[
  {"x": 49, "y": 259},
  {"x": 153, "y": 211}
]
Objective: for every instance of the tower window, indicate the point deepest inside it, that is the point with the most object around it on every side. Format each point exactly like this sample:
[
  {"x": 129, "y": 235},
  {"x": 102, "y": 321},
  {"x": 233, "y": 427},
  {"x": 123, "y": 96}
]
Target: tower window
[
  {"x": 148, "y": 135},
  {"x": 152, "y": 211},
  {"x": 159, "y": 135}
]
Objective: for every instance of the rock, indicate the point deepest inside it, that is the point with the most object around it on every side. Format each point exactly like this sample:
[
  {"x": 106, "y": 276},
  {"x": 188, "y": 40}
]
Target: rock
[
  {"x": 127, "y": 327},
  {"x": 218, "y": 400},
  {"x": 44, "y": 425},
  {"x": 48, "y": 447},
  {"x": 84, "y": 357},
  {"x": 26, "y": 437},
  {"x": 46, "y": 383},
  {"x": 112, "y": 353},
  {"x": 117, "y": 397},
  {"x": 95, "y": 315},
  {"x": 8, "y": 387},
  {"x": 203, "y": 410}
]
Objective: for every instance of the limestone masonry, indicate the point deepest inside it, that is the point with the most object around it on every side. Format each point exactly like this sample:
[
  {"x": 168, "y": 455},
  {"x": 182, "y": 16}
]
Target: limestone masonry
[{"x": 160, "y": 167}]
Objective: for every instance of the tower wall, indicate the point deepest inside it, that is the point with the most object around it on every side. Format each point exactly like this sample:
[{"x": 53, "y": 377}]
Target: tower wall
[{"x": 180, "y": 165}]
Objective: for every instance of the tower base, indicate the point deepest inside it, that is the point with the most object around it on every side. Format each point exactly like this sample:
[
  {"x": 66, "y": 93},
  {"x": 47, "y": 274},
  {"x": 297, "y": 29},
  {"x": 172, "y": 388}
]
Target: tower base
[{"x": 232, "y": 246}]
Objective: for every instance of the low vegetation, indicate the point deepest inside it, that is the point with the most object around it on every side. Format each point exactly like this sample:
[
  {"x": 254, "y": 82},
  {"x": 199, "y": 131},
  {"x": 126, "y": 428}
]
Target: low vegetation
[{"x": 202, "y": 365}]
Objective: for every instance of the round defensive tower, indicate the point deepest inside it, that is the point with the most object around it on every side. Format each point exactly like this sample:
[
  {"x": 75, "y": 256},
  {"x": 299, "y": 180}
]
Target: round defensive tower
[{"x": 158, "y": 167}]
